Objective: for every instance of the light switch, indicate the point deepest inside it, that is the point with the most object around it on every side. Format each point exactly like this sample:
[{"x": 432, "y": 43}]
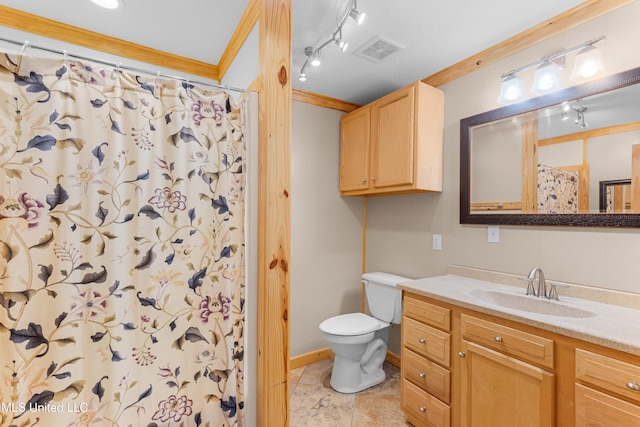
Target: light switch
[
  {"x": 437, "y": 242},
  {"x": 493, "y": 234}
]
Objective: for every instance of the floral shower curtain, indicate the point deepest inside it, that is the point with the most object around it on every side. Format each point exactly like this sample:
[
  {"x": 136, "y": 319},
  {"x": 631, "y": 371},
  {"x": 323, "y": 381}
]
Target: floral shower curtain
[{"x": 121, "y": 249}]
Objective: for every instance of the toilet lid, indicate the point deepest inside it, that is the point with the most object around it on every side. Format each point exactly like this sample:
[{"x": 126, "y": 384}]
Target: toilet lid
[{"x": 350, "y": 324}]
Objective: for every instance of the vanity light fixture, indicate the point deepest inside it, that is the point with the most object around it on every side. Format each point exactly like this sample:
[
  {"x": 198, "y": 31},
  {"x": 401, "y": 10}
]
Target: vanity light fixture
[
  {"x": 313, "y": 55},
  {"x": 109, "y": 4},
  {"x": 588, "y": 64},
  {"x": 547, "y": 78},
  {"x": 512, "y": 90}
]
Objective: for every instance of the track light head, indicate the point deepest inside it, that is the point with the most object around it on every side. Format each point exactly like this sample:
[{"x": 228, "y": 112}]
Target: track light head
[
  {"x": 342, "y": 45},
  {"x": 357, "y": 16}
]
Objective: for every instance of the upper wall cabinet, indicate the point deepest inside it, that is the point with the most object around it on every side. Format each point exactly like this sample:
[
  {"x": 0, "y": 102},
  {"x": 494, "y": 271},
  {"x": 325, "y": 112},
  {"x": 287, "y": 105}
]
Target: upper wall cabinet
[{"x": 394, "y": 144}]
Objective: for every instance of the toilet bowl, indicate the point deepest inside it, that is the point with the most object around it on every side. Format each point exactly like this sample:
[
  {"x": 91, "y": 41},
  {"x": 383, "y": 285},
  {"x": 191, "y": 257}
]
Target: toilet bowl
[{"x": 358, "y": 340}]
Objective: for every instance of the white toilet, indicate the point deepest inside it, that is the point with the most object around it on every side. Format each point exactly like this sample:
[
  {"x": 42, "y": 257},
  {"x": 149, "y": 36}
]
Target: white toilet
[{"x": 359, "y": 341}]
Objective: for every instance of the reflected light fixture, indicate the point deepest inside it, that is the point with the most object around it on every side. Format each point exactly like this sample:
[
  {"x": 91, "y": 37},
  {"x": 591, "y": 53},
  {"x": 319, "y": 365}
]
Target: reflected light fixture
[
  {"x": 512, "y": 90},
  {"x": 313, "y": 55},
  {"x": 109, "y": 4},
  {"x": 588, "y": 63},
  {"x": 547, "y": 78}
]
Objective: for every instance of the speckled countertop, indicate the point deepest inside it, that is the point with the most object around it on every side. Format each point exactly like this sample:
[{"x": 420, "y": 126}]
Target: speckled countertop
[{"x": 604, "y": 317}]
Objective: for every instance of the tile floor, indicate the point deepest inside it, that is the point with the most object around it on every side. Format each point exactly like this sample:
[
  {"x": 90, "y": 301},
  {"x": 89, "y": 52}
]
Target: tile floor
[{"x": 314, "y": 403}]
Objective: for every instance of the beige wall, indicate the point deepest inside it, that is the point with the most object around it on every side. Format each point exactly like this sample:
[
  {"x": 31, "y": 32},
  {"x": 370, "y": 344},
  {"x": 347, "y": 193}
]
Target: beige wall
[
  {"x": 326, "y": 229},
  {"x": 400, "y": 228}
]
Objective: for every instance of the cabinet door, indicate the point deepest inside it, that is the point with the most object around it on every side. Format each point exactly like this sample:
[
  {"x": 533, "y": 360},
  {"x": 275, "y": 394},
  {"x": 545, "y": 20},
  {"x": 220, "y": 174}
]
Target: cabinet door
[
  {"x": 595, "y": 409},
  {"x": 393, "y": 139},
  {"x": 354, "y": 150},
  {"x": 501, "y": 391}
]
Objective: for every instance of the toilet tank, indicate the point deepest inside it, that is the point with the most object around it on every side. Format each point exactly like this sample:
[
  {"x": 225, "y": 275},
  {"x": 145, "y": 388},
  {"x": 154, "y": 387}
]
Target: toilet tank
[{"x": 383, "y": 297}]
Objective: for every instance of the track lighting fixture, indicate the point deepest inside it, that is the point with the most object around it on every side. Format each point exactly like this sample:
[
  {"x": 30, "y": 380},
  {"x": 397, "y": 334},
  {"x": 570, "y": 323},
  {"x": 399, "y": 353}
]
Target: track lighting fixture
[
  {"x": 588, "y": 64},
  {"x": 337, "y": 38},
  {"x": 568, "y": 108},
  {"x": 356, "y": 15},
  {"x": 313, "y": 55}
]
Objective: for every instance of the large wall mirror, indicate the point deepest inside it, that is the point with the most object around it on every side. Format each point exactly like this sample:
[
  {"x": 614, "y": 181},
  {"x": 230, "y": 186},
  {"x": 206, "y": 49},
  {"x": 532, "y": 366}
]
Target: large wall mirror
[{"x": 571, "y": 157}]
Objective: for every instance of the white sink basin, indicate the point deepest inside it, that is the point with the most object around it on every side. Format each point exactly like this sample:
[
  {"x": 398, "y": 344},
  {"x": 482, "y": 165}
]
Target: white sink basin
[{"x": 529, "y": 303}]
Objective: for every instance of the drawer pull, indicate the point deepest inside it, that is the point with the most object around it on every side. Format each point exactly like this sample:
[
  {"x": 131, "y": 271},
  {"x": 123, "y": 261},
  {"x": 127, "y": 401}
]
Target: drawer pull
[
  {"x": 633, "y": 386},
  {"x": 461, "y": 354},
  {"x": 422, "y": 341},
  {"x": 421, "y": 375},
  {"x": 497, "y": 339},
  {"x": 423, "y": 409}
]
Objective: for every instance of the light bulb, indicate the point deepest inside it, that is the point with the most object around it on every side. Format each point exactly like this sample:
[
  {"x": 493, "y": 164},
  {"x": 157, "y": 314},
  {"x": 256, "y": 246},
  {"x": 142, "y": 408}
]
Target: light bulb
[{"x": 108, "y": 4}]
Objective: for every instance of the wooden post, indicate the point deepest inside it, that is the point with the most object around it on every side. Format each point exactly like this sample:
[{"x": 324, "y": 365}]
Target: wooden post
[
  {"x": 274, "y": 210},
  {"x": 530, "y": 163},
  {"x": 635, "y": 178}
]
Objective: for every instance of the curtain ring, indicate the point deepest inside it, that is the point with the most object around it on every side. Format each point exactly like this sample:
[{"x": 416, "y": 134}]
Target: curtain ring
[
  {"x": 116, "y": 71},
  {"x": 25, "y": 46}
]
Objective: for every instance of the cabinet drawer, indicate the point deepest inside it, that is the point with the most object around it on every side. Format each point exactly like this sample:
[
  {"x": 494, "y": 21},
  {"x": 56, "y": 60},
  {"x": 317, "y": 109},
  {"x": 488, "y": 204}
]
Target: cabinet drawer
[
  {"x": 422, "y": 409},
  {"x": 426, "y": 341},
  {"x": 429, "y": 376},
  {"x": 428, "y": 313},
  {"x": 525, "y": 346},
  {"x": 595, "y": 409},
  {"x": 610, "y": 374}
]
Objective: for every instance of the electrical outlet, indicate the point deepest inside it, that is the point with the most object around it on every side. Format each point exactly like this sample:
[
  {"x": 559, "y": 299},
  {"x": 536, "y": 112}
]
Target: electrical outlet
[
  {"x": 437, "y": 242},
  {"x": 493, "y": 234}
]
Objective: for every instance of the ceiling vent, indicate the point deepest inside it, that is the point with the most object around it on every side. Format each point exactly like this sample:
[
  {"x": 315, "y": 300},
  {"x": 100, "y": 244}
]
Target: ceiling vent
[{"x": 377, "y": 49}]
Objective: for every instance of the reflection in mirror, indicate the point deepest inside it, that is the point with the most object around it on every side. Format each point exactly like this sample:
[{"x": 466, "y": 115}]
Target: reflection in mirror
[
  {"x": 615, "y": 195},
  {"x": 544, "y": 161}
]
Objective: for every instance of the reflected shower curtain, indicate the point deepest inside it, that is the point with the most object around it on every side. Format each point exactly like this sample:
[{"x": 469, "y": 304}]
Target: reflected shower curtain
[
  {"x": 121, "y": 249},
  {"x": 557, "y": 190}
]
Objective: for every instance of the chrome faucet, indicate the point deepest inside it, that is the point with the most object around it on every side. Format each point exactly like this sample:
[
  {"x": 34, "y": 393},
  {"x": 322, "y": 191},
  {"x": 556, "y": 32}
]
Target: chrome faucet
[{"x": 542, "y": 283}]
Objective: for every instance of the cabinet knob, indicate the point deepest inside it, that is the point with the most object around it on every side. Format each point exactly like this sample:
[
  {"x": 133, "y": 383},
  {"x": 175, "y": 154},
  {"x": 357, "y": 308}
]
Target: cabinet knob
[
  {"x": 633, "y": 386},
  {"x": 421, "y": 375},
  {"x": 461, "y": 354},
  {"x": 423, "y": 409},
  {"x": 364, "y": 180},
  {"x": 497, "y": 338},
  {"x": 373, "y": 179},
  {"x": 422, "y": 341}
]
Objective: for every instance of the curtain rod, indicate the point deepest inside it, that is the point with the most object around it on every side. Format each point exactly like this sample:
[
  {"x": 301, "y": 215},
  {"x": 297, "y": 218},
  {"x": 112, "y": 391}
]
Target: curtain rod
[{"x": 26, "y": 44}]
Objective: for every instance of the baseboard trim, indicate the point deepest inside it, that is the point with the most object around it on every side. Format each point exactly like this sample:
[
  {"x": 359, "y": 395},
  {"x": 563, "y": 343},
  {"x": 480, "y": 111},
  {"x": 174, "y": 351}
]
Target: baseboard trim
[
  {"x": 309, "y": 358},
  {"x": 326, "y": 353},
  {"x": 393, "y": 358}
]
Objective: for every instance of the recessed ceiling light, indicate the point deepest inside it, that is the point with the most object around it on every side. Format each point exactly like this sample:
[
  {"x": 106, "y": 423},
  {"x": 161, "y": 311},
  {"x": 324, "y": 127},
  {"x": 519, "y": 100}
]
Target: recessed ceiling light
[{"x": 109, "y": 4}]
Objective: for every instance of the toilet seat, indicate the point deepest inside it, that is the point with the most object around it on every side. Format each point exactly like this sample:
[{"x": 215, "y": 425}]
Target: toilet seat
[{"x": 351, "y": 324}]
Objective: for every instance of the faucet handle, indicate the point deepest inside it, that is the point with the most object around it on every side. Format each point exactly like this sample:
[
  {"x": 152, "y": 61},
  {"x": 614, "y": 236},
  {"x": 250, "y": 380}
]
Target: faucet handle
[
  {"x": 530, "y": 289},
  {"x": 553, "y": 292}
]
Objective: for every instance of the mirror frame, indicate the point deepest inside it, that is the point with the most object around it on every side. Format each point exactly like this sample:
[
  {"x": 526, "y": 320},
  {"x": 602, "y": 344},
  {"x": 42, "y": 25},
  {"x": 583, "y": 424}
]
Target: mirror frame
[{"x": 605, "y": 84}]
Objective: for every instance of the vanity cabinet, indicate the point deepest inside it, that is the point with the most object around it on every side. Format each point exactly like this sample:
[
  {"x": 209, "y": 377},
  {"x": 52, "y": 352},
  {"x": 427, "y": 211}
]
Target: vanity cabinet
[
  {"x": 426, "y": 359},
  {"x": 464, "y": 368},
  {"x": 607, "y": 391},
  {"x": 500, "y": 385},
  {"x": 394, "y": 144}
]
